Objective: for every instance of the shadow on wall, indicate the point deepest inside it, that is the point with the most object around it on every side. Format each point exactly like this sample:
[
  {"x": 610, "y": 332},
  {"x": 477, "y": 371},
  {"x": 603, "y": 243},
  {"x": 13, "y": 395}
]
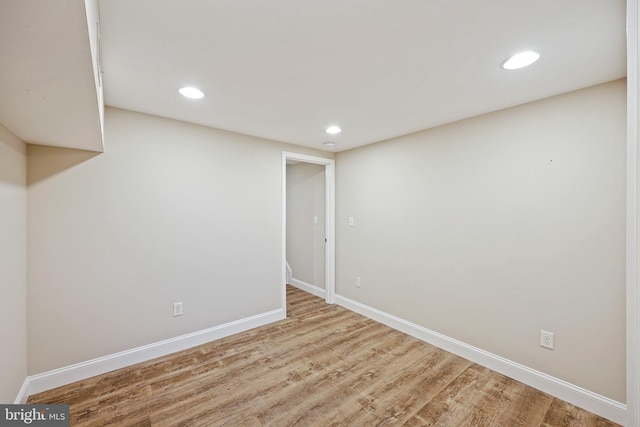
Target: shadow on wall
[
  {"x": 9, "y": 148},
  {"x": 59, "y": 160}
]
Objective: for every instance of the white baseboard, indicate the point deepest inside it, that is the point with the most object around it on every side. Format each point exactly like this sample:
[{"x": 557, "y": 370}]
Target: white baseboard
[
  {"x": 80, "y": 371},
  {"x": 23, "y": 394},
  {"x": 592, "y": 402},
  {"x": 312, "y": 289},
  {"x": 600, "y": 405}
]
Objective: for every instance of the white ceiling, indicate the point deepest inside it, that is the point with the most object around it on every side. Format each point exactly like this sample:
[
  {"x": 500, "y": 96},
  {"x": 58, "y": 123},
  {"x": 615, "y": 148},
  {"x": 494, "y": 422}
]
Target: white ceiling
[{"x": 286, "y": 69}]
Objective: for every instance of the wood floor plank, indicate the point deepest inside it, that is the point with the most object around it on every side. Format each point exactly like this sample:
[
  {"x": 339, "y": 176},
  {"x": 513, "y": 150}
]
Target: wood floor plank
[
  {"x": 321, "y": 366},
  {"x": 564, "y": 414},
  {"x": 341, "y": 374}
]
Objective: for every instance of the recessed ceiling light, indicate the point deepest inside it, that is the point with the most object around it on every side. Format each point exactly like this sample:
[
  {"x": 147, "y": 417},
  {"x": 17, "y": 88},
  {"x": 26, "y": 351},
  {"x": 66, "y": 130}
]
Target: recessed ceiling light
[
  {"x": 191, "y": 92},
  {"x": 333, "y": 130},
  {"x": 520, "y": 60}
]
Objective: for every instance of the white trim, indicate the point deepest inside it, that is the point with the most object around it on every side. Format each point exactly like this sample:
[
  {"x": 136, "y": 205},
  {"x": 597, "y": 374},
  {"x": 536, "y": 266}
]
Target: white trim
[
  {"x": 633, "y": 291},
  {"x": 283, "y": 232},
  {"x": 600, "y": 405},
  {"x": 23, "y": 394},
  {"x": 307, "y": 287},
  {"x": 330, "y": 230},
  {"x": 80, "y": 371},
  {"x": 330, "y": 220}
]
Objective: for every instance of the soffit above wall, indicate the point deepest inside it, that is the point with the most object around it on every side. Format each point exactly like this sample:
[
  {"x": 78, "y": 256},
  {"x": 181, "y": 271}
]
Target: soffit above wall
[{"x": 48, "y": 90}]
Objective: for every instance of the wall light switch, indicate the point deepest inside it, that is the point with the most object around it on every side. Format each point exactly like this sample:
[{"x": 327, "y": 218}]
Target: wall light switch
[
  {"x": 177, "y": 309},
  {"x": 315, "y": 219},
  {"x": 352, "y": 222}
]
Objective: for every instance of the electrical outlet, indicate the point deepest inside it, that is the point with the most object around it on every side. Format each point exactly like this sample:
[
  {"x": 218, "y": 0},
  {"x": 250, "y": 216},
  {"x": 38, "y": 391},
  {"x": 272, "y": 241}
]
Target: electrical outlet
[
  {"x": 546, "y": 339},
  {"x": 358, "y": 282},
  {"x": 177, "y": 309}
]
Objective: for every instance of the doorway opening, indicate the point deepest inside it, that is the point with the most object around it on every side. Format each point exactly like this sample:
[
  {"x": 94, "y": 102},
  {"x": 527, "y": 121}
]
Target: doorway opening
[{"x": 314, "y": 223}]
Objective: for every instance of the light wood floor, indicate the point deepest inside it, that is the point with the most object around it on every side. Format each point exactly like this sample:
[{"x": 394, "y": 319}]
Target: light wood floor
[{"x": 322, "y": 366}]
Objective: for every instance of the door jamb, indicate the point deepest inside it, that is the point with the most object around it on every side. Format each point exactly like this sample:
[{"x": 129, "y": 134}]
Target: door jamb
[
  {"x": 330, "y": 246},
  {"x": 632, "y": 279}
]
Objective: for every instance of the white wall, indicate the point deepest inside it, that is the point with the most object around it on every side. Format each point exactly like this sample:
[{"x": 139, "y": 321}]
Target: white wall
[
  {"x": 305, "y": 239},
  {"x": 492, "y": 228},
  {"x": 13, "y": 267},
  {"x": 170, "y": 212}
]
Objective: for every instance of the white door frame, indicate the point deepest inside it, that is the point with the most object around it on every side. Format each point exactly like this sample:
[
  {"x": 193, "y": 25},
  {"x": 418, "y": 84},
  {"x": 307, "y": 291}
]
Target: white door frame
[
  {"x": 633, "y": 185},
  {"x": 330, "y": 221}
]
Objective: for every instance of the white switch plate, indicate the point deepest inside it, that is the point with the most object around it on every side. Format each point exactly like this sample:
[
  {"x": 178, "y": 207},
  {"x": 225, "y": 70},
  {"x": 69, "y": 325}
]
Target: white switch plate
[
  {"x": 358, "y": 282},
  {"x": 177, "y": 309},
  {"x": 315, "y": 219},
  {"x": 351, "y": 221}
]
